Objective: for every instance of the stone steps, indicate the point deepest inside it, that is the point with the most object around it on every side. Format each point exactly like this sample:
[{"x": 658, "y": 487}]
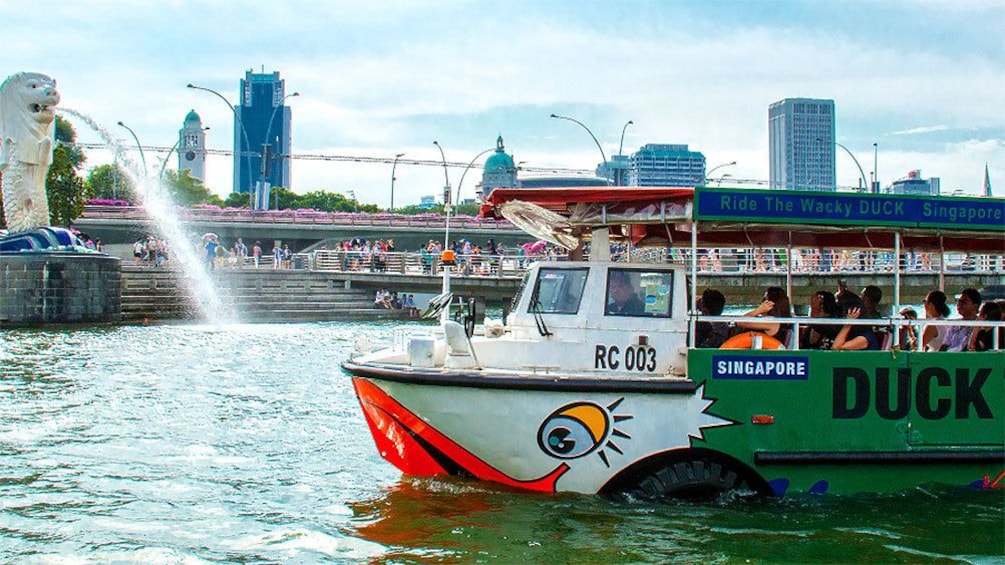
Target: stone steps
[{"x": 257, "y": 295}]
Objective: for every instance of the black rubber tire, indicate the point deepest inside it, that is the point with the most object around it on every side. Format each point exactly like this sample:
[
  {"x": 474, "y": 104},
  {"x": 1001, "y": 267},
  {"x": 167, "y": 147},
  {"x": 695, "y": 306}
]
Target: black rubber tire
[{"x": 697, "y": 479}]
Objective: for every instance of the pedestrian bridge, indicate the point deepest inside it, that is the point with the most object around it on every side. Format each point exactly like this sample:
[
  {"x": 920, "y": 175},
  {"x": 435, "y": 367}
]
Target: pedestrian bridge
[{"x": 300, "y": 228}]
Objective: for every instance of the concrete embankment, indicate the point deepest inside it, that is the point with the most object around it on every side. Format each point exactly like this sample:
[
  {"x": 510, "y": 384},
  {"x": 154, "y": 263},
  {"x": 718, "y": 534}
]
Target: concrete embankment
[{"x": 254, "y": 295}]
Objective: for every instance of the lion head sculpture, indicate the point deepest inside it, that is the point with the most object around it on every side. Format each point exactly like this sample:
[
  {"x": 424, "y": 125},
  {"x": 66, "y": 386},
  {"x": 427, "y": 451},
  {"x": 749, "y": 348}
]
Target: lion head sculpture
[
  {"x": 27, "y": 108},
  {"x": 27, "y": 128}
]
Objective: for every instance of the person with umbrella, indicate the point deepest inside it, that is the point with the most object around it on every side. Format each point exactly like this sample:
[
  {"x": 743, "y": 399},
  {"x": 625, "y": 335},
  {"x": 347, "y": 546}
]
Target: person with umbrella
[{"x": 212, "y": 242}]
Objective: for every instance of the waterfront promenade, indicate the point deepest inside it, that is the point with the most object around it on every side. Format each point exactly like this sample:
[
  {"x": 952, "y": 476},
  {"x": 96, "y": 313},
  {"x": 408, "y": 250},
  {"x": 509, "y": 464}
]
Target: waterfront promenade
[
  {"x": 328, "y": 284},
  {"x": 300, "y": 228}
]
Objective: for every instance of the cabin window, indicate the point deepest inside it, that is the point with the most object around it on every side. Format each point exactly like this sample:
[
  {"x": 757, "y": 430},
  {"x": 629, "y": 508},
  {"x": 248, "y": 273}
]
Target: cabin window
[
  {"x": 633, "y": 292},
  {"x": 558, "y": 291}
]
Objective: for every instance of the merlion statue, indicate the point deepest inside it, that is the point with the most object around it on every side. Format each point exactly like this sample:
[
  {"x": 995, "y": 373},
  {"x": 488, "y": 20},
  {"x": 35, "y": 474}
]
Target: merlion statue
[{"x": 27, "y": 129}]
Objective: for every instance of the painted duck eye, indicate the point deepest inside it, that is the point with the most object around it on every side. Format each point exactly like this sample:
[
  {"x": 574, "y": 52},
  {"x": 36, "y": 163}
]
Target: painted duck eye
[{"x": 573, "y": 431}]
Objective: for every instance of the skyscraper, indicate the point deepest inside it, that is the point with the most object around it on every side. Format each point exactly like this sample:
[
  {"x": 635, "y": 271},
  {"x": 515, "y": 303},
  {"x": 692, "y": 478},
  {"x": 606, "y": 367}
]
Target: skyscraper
[
  {"x": 267, "y": 121},
  {"x": 192, "y": 147},
  {"x": 662, "y": 164},
  {"x": 801, "y": 144}
]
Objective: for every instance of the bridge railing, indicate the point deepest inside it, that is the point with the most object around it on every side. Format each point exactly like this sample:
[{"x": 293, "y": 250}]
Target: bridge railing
[
  {"x": 408, "y": 263},
  {"x": 710, "y": 261}
]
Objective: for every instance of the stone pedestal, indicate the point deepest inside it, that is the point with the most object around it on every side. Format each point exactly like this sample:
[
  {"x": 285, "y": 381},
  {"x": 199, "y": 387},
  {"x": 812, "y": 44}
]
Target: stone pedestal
[{"x": 43, "y": 288}]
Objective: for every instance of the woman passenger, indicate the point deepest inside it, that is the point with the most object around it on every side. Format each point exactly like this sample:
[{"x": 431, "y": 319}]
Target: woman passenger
[
  {"x": 776, "y": 305},
  {"x": 982, "y": 338},
  {"x": 935, "y": 309},
  {"x": 823, "y": 304},
  {"x": 854, "y": 337}
]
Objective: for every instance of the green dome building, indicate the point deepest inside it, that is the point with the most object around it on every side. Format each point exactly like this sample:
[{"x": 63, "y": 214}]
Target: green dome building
[{"x": 499, "y": 172}]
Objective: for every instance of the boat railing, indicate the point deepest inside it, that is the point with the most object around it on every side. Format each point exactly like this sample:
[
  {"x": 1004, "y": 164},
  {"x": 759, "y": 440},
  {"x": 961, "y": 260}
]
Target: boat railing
[
  {"x": 711, "y": 261},
  {"x": 892, "y": 324},
  {"x": 812, "y": 261}
]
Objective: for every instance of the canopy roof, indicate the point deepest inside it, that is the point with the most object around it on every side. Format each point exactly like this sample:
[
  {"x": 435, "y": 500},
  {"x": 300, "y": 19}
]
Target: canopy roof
[{"x": 729, "y": 217}]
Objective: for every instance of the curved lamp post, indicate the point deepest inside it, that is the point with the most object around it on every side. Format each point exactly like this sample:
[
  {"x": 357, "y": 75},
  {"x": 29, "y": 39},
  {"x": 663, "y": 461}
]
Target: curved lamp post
[
  {"x": 446, "y": 231},
  {"x": 446, "y": 180},
  {"x": 621, "y": 179},
  {"x": 247, "y": 144},
  {"x": 708, "y": 175},
  {"x": 865, "y": 184},
  {"x": 461, "y": 182},
  {"x": 138, "y": 146},
  {"x": 393, "y": 167},
  {"x": 582, "y": 125},
  {"x": 168, "y": 157}
]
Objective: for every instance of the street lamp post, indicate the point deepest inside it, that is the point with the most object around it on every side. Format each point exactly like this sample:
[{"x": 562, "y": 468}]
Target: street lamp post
[
  {"x": 708, "y": 175},
  {"x": 168, "y": 157},
  {"x": 446, "y": 185},
  {"x": 138, "y": 146},
  {"x": 582, "y": 125},
  {"x": 446, "y": 230},
  {"x": 875, "y": 168},
  {"x": 860, "y": 171},
  {"x": 393, "y": 167},
  {"x": 247, "y": 144},
  {"x": 266, "y": 165},
  {"x": 461, "y": 182},
  {"x": 621, "y": 176}
]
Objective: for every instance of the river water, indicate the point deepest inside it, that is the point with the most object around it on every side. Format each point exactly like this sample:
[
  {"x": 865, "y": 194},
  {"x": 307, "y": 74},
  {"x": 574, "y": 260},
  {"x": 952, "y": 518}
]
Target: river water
[{"x": 244, "y": 443}]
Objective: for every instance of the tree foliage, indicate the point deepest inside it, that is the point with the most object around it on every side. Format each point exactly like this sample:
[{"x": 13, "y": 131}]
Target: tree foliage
[
  {"x": 330, "y": 202},
  {"x": 111, "y": 182},
  {"x": 65, "y": 190},
  {"x": 186, "y": 190},
  {"x": 415, "y": 209},
  {"x": 237, "y": 200}
]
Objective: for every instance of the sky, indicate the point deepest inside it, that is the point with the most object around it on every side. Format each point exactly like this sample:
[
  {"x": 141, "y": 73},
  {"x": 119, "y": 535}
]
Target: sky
[{"x": 922, "y": 79}]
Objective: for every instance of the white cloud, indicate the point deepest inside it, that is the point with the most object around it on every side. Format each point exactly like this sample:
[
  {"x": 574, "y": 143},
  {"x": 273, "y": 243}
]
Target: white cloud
[{"x": 920, "y": 130}]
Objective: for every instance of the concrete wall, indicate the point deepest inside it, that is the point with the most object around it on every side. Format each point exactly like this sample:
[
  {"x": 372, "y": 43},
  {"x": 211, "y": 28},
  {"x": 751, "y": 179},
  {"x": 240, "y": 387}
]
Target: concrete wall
[{"x": 38, "y": 289}]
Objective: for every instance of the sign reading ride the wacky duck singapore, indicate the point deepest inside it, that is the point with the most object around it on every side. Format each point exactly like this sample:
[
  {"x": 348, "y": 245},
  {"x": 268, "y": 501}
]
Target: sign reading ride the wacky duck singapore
[{"x": 831, "y": 208}]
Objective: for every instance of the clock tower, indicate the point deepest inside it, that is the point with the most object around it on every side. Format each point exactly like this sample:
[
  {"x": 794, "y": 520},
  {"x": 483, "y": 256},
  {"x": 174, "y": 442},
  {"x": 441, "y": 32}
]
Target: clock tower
[{"x": 192, "y": 147}]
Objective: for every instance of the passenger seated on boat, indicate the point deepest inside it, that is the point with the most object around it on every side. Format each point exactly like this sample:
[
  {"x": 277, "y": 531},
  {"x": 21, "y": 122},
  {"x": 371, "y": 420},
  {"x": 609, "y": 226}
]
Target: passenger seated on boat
[
  {"x": 854, "y": 337},
  {"x": 823, "y": 304},
  {"x": 908, "y": 333},
  {"x": 934, "y": 337},
  {"x": 871, "y": 297},
  {"x": 983, "y": 337},
  {"x": 622, "y": 295},
  {"x": 775, "y": 303},
  {"x": 967, "y": 305},
  {"x": 711, "y": 334}
]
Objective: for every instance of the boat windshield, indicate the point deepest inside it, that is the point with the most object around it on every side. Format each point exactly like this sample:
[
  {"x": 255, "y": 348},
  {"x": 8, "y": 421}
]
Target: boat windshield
[{"x": 559, "y": 291}]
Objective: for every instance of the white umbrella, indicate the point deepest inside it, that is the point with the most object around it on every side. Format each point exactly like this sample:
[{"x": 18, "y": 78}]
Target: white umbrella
[{"x": 209, "y": 235}]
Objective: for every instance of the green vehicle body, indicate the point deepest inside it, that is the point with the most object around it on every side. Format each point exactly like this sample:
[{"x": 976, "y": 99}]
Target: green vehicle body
[{"x": 848, "y": 422}]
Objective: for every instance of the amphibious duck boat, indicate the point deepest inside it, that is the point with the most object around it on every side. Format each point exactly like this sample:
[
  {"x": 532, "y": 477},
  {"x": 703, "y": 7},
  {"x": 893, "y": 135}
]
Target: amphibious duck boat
[{"x": 583, "y": 391}]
